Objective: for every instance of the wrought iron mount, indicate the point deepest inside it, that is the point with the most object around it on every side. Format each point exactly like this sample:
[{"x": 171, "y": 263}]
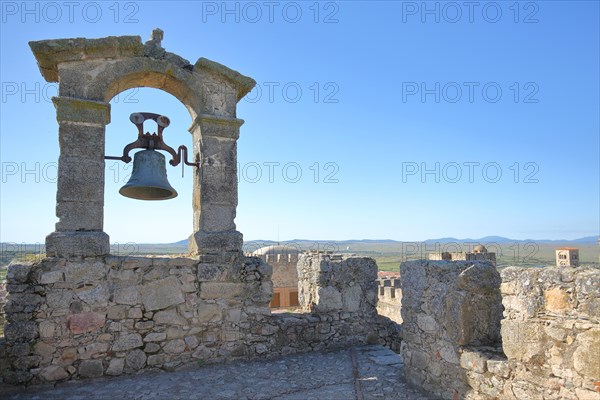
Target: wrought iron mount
[{"x": 153, "y": 141}]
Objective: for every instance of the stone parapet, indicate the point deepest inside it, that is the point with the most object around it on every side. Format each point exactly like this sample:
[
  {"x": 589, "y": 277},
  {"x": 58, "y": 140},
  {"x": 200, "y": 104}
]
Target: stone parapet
[
  {"x": 83, "y": 318},
  {"x": 457, "y": 345},
  {"x": 77, "y": 318},
  {"x": 329, "y": 282}
]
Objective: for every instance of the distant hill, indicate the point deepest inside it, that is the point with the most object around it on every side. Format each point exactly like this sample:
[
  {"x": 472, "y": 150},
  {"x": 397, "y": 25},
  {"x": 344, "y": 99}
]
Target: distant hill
[
  {"x": 502, "y": 239},
  {"x": 388, "y": 253},
  {"x": 306, "y": 242},
  {"x": 486, "y": 239}
]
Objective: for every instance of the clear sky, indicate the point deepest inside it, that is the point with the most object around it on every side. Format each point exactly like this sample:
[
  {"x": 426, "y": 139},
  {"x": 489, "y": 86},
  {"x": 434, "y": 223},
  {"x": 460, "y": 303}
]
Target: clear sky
[{"x": 406, "y": 120}]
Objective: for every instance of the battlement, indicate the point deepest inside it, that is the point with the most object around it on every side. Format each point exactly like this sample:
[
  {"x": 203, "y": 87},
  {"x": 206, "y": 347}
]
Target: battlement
[
  {"x": 278, "y": 259},
  {"x": 462, "y": 256},
  {"x": 389, "y": 298},
  {"x": 472, "y": 332}
]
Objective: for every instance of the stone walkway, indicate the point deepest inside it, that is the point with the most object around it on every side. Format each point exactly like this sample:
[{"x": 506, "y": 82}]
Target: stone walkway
[{"x": 361, "y": 373}]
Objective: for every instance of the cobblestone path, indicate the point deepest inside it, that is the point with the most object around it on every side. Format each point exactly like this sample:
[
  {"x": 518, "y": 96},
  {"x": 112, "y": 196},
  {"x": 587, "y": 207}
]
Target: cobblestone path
[{"x": 361, "y": 373}]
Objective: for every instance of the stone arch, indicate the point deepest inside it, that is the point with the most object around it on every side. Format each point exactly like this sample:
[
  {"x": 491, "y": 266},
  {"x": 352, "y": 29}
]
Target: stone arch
[
  {"x": 106, "y": 79},
  {"x": 122, "y": 222},
  {"x": 92, "y": 71}
]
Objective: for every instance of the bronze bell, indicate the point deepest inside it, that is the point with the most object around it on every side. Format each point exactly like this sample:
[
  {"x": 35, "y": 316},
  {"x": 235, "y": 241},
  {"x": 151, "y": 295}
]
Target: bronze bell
[{"x": 149, "y": 178}]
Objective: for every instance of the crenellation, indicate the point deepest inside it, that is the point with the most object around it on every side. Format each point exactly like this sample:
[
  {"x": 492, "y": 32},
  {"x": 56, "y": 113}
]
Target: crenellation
[
  {"x": 389, "y": 302},
  {"x": 472, "y": 332},
  {"x": 130, "y": 313}
]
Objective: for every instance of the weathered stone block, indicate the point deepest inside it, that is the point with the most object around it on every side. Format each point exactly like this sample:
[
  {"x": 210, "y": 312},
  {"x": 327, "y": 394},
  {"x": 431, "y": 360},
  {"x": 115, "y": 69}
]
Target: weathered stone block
[
  {"x": 135, "y": 359},
  {"x": 68, "y": 356},
  {"x": 419, "y": 360},
  {"x": 473, "y": 361},
  {"x": 522, "y": 340},
  {"x": 115, "y": 367},
  {"x": 79, "y": 215},
  {"x": 85, "y": 322},
  {"x": 81, "y": 140},
  {"x": 125, "y": 275},
  {"x": 59, "y": 299},
  {"x": 427, "y": 323},
  {"x": 584, "y": 394},
  {"x": 151, "y": 348},
  {"x": 586, "y": 358},
  {"x": 161, "y": 294},
  {"x": 220, "y": 290},
  {"x": 210, "y": 272},
  {"x": 174, "y": 346},
  {"x": 191, "y": 341},
  {"x": 242, "y": 84},
  {"x": 157, "y": 359},
  {"x": 18, "y": 272},
  {"x": 482, "y": 278},
  {"x": 169, "y": 317},
  {"x": 80, "y": 110},
  {"x": 79, "y": 179},
  {"x": 329, "y": 299},
  {"x": 135, "y": 313},
  {"x": 557, "y": 300},
  {"x": 117, "y": 312},
  {"x": 499, "y": 367},
  {"x": 448, "y": 352},
  {"x": 52, "y": 277},
  {"x": 155, "y": 337},
  {"x": 215, "y": 242},
  {"x": 92, "y": 349},
  {"x": 209, "y": 313},
  {"x": 85, "y": 272},
  {"x": 19, "y": 331},
  {"x": 127, "y": 295},
  {"x": 50, "y": 53},
  {"x": 263, "y": 292},
  {"x": 44, "y": 350},
  {"x": 96, "y": 296},
  {"x": 218, "y": 217},
  {"x": 54, "y": 373},
  {"x": 144, "y": 325},
  {"x": 127, "y": 341},
  {"x": 351, "y": 298},
  {"x": 219, "y": 183},
  {"x": 47, "y": 330},
  {"x": 91, "y": 369}
]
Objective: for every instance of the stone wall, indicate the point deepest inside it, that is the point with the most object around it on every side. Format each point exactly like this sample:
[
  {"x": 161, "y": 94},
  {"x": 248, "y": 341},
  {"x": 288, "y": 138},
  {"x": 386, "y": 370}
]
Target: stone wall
[
  {"x": 344, "y": 290},
  {"x": 85, "y": 318},
  {"x": 3, "y": 295},
  {"x": 107, "y": 316},
  {"x": 456, "y": 344},
  {"x": 333, "y": 282},
  {"x": 551, "y": 332},
  {"x": 446, "y": 306}
]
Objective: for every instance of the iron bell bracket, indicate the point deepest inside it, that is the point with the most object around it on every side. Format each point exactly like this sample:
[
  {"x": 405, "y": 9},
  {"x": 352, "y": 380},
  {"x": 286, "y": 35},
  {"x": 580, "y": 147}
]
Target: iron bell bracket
[{"x": 153, "y": 141}]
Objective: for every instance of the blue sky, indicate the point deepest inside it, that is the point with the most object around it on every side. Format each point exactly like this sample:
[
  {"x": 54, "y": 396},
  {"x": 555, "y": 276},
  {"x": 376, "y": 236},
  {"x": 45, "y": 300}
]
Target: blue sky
[{"x": 360, "y": 98}]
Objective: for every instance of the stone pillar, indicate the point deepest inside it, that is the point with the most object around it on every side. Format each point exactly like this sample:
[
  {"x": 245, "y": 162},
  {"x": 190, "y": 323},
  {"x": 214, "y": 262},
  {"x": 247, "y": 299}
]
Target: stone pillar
[
  {"x": 215, "y": 194},
  {"x": 80, "y": 184}
]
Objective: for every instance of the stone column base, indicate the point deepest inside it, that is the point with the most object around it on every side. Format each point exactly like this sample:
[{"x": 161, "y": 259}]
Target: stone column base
[
  {"x": 215, "y": 242},
  {"x": 77, "y": 244}
]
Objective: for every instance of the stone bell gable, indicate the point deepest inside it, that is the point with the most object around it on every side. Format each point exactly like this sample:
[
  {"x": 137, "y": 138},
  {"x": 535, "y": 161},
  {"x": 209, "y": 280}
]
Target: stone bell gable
[{"x": 90, "y": 72}]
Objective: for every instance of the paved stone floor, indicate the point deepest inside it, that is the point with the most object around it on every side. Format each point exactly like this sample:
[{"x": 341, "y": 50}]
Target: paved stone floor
[{"x": 361, "y": 373}]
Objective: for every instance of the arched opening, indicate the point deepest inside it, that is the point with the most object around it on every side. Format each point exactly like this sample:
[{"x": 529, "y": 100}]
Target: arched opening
[
  {"x": 165, "y": 82},
  {"x": 133, "y": 225}
]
